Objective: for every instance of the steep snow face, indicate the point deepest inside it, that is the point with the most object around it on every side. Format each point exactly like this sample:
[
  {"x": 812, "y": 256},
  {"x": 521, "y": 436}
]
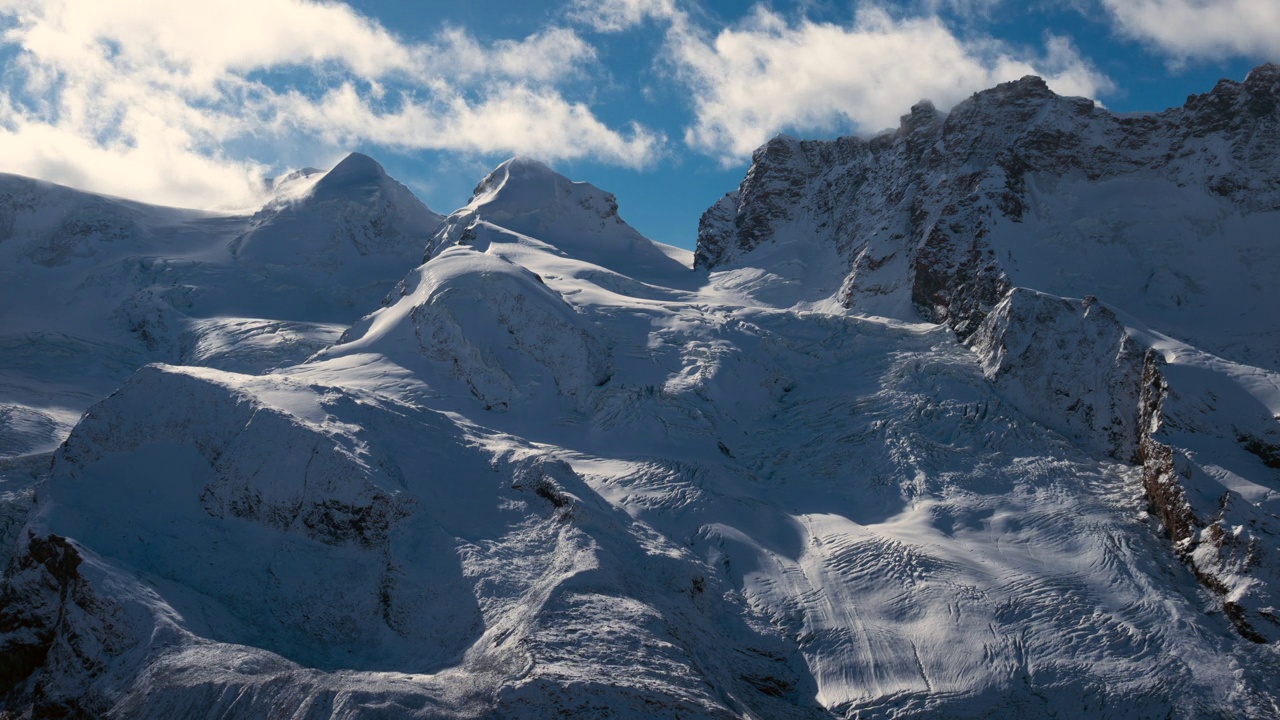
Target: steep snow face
[
  {"x": 1170, "y": 216},
  {"x": 547, "y": 480},
  {"x": 404, "y": 563},
  {"x": 527, "y": 198},
  {"x": 92, "y": 287},
  {"x": 355, "y": 226},
  {"x": 333, "y": 519}
]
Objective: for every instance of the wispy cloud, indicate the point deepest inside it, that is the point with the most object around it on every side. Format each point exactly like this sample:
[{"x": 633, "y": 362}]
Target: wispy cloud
[
  {"x": 143, "y": 97},
  {"x": 771, "y": 73},
  {"x": 619, "y": 15}
]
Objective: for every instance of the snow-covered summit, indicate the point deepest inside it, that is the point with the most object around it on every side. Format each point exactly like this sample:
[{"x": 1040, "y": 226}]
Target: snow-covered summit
[
  {"x": 353, "y": 212},
  {"x": 357, "y": 176},
  {"x": 526, "y": 197}
]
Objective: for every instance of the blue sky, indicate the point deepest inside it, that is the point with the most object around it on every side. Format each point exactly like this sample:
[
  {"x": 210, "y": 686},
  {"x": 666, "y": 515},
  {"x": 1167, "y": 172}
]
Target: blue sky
[{"x": 658, "y": 101}]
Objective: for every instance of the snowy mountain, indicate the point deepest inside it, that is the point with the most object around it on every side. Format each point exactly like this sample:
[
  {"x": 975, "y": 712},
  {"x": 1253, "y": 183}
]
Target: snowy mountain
[
  {"x": 863, "y": 454},
  {"x": 1170, "y": 216},
  {"x": 92, "y": 288},
  {"x": 1165, "y": 224}
]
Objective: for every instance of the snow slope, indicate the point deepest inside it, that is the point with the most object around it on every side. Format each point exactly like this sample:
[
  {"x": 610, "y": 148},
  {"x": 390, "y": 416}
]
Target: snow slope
[
  {"x": 559, "y": 472},
  {"x": 91, "y": 287}
]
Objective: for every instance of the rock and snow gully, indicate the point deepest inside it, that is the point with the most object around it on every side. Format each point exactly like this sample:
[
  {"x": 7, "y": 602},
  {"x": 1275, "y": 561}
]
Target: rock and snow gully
[{"x": 976, "y": 418}]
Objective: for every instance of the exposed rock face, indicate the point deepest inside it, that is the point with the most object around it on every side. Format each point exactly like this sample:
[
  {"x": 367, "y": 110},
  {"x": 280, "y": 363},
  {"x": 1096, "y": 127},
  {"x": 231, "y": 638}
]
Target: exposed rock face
[
  {"x": 1070, "y": 365},
  {"x": 56, "y": 634},
  {"x": 1166, "y": 217},
  {"x": 1077, "y": 368},
  {"x": 964, "y": 199}
]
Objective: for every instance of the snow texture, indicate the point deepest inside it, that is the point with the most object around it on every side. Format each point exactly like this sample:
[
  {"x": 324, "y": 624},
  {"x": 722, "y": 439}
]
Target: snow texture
[{"x": 92, "y": 288}]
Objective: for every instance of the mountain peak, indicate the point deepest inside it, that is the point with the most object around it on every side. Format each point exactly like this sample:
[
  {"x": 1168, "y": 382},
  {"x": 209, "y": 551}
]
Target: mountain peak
[
  {"x": 1028, "y": 87},
  {"x": 923, "y": 115},
  {"x": 356, "y": 172},
  {"x": 519, "y": 176},
  {"x": 1264, "y": 79},
  {"x": 527, "y": 166},
  {"x": 357, "y": 164},
  {"x": 354, "y": 218},
  {"x": 525, "y": 196},
  {"x": 523, "y": 188},
  {"x": 1237, "y": 106}
]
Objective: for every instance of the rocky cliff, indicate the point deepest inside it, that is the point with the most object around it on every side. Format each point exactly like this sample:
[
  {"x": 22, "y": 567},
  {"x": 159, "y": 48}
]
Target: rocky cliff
[{"x": 987, "y": 218}]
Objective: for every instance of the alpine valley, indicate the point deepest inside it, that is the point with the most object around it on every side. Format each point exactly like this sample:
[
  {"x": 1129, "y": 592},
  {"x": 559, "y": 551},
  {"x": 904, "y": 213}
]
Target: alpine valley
[{"x": 977, "y": 418}]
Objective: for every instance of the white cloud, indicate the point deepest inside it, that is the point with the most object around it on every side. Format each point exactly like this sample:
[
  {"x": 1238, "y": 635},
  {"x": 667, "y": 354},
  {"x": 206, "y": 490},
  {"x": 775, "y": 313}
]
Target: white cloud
[
  {"x": 510, "y": 118},
  {"x": 618, "y": 15},
  {"x": 142, "y": 98},
  {"x": 194, "y": 45},
  {"x": 149, "y": 170},
  {"x": 547, "y": 56},
  {"x": 1213, "y": 29},
  {"x": 770, "y": 74}
]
